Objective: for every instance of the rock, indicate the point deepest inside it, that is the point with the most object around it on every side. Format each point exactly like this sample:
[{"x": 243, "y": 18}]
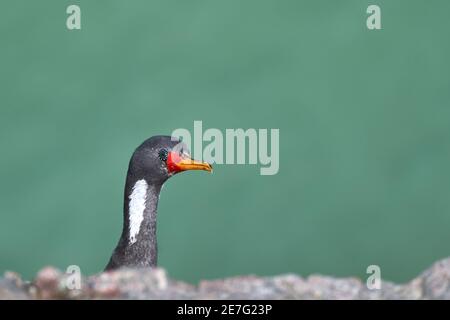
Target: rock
[
  {"x": 12, "y": 287},
  {"x": 48, "y": 284},
  {"x": 51, "y": 283},
  {"x": 436, "y": 280}
]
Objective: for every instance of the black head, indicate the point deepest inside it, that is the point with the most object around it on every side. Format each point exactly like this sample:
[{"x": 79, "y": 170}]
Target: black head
[{"x": 160, "y": 157}]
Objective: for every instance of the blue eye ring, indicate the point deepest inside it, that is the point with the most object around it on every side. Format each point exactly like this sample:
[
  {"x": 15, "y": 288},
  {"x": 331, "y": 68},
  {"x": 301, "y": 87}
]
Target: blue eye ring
[{"x": 162, "y": 154}]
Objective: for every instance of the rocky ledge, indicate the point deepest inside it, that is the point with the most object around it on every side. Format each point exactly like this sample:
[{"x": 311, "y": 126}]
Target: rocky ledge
[{"x": 50, "y": 283}]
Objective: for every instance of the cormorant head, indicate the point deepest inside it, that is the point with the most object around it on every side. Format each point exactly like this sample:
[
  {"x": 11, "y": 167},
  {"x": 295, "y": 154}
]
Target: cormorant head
[{"x": 160, "y": 157}]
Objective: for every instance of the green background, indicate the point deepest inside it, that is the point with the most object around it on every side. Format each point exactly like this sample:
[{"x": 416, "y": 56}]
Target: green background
[{"x": 364, "y": 119}]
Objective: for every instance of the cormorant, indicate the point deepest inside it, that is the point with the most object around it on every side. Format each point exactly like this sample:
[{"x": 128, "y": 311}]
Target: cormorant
[{"x": 152, "y": 163}]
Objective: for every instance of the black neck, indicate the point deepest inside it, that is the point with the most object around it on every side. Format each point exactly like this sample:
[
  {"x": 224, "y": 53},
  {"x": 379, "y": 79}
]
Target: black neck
[{"x": 138, "y": 249}]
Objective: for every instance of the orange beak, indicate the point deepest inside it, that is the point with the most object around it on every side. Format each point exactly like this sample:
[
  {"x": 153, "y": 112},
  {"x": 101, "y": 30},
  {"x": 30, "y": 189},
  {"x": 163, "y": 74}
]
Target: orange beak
[
  {"x": 191, "y": 164},
  {"x": 175, "y": 163}
]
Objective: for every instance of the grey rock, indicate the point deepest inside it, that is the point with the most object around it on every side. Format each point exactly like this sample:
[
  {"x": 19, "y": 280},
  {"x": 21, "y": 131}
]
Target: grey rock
[
  {"x": 12, "y": 287},
  {"x": 51, "y": 283}
]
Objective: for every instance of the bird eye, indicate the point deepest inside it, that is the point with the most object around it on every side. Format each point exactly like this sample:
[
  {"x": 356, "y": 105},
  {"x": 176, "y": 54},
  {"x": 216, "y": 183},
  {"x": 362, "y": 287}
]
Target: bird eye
[{"x": 162, "y": 154}]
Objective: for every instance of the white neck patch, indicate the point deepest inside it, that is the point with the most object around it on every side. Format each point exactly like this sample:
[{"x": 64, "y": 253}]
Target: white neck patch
[{"x": 138, "y": 197}]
